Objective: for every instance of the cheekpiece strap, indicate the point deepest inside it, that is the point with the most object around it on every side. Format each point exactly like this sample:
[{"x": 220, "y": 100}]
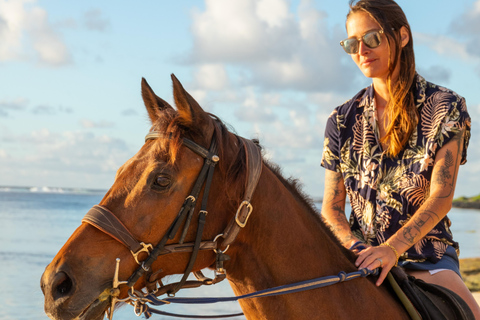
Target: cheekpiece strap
[{"x": 254, "y": 170}]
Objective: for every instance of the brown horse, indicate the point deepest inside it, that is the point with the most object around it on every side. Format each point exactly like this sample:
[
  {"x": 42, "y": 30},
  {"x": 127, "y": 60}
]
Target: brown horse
[{"x": 283, "y": 242}]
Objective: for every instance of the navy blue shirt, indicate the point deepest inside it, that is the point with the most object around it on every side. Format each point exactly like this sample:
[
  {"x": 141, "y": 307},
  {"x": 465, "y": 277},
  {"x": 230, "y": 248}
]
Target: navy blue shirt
[{"x": 386, "y": 192}]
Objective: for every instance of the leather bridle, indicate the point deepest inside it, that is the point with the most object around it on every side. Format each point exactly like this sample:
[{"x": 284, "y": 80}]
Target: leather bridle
[{"x": 103, "y": 219}]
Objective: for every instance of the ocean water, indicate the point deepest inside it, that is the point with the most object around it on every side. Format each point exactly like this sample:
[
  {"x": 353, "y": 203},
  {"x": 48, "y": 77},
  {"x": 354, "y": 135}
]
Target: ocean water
[{"x": 35, "y": 223}]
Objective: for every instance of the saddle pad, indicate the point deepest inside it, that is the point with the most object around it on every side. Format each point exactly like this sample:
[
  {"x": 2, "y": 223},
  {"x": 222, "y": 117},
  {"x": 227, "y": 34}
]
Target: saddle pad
[{"x": 431, "y": 301}]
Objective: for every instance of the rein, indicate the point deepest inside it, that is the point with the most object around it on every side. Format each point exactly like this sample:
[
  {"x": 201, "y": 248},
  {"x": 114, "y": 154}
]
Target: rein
[
  {"x": 142, "y": 307},
  {"x": 106, "y": 221}
]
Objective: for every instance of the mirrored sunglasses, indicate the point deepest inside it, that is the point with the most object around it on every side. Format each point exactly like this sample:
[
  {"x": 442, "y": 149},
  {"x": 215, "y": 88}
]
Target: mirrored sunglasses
[{"x": 371, "y": 39}]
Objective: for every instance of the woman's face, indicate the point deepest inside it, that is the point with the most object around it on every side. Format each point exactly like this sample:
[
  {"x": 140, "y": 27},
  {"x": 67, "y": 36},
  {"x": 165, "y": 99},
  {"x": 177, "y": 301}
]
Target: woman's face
[{"x": 372, "y": 62}]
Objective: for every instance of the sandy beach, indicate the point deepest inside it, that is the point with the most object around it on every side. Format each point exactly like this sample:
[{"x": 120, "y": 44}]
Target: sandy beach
[{"x": 470, "y": 269}]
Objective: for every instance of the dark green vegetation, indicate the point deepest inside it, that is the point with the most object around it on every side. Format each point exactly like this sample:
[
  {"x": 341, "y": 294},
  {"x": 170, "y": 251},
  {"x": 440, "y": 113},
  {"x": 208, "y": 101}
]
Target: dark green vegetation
[{"x": 465, "y": 202}]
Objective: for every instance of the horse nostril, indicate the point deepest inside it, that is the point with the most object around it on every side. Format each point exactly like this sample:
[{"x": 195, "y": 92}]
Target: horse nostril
[{"x": 62, "y": 285}]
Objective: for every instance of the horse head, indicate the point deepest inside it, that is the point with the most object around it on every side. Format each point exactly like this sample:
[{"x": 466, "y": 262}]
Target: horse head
[{"x": 148, "y": 202}]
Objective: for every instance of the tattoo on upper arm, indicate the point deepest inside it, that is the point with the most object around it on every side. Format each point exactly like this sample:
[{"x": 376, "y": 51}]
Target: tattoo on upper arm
[
  {"x": 444, "y": 176},
  {"x": 447, "y": 174},
  {"x": 336, "y": 189}
]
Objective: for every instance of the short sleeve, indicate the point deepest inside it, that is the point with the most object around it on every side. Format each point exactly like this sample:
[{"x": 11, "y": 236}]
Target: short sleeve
[
  {"x": 464, "y": 123},
  {"x": 450, "y": 117},
  {"x": 331, "y": 144}
]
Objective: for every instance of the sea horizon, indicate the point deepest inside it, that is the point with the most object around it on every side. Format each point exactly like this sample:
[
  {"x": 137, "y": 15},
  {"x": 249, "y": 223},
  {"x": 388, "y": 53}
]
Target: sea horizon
[{"x": 50, "y": 189}]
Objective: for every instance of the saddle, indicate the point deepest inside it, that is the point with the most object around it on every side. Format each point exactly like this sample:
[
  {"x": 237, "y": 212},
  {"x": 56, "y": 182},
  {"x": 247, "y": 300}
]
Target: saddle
[{"x": 428, "y": 301}]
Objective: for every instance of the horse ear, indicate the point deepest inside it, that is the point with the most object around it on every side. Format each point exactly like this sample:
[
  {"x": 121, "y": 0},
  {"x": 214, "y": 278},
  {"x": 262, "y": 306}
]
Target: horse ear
[
  {"x": 154, "y": 104},
  {"x": 191, "y": 114}
]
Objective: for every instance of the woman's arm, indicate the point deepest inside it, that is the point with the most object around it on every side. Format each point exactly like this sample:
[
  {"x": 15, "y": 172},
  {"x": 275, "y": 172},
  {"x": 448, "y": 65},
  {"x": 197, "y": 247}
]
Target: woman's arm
[
  {"x": 333, "y": 208},
  {"x": 430, "y": 213}
]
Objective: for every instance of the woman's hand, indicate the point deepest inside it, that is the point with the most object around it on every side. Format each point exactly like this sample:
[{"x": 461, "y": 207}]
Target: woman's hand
[{"x": 377, "y": 257}]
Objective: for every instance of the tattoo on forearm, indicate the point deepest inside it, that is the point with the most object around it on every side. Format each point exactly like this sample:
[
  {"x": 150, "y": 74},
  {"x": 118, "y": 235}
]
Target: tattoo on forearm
[
  {"x": 334, "y": 206},
  {"x": 338, "y": 223},
  {"x": 412, "y": 232}
]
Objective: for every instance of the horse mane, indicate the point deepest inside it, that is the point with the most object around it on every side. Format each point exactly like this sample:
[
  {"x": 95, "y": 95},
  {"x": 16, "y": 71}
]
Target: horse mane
[{"x": 295, "y": 187}]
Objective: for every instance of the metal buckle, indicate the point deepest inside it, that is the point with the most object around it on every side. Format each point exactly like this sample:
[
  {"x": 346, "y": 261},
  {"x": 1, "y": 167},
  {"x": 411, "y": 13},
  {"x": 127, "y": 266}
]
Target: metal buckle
[
  {"x": 218, "y": 250},
  {"x": 145, "y": 248},
  {"x": 250, "y": 209}
]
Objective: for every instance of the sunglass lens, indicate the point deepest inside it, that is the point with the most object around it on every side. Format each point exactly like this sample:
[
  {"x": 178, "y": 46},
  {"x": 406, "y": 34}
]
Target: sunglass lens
[
  {"x": 372, "y": 39},
  {"x": 350, "y": 45}
]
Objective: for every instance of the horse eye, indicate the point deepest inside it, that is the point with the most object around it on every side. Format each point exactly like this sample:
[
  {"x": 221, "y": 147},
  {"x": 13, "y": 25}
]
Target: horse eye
[{"x": 162, "y": 181}]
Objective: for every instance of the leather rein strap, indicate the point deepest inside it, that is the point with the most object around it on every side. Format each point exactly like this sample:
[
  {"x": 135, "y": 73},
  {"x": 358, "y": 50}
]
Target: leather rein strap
[{"x": 103, "y": 219}]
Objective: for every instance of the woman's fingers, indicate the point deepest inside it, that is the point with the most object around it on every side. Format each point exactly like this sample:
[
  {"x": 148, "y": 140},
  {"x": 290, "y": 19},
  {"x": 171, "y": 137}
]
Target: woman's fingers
[
  {"x": 382, "y": 275},
  {"x": 377, "y": 257},
  {"x": 370, "y": 261}
]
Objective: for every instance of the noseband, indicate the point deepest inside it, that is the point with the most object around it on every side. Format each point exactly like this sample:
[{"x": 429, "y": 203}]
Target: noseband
[{"x": 103, "y": 219}]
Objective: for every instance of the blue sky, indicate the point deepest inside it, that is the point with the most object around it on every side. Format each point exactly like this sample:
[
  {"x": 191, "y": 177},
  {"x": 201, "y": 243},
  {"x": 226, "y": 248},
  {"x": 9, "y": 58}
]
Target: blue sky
[{"x": 70, "y": 106}]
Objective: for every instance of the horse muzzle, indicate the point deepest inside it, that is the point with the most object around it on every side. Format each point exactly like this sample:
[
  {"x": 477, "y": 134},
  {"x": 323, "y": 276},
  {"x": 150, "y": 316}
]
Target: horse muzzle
[{"x": 59, "y": 290}]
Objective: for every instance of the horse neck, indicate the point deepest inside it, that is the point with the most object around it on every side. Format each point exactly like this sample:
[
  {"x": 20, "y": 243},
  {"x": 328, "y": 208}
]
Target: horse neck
[
  {"x": 284, "y": 242},
  {"x": 282, "y": 237}
]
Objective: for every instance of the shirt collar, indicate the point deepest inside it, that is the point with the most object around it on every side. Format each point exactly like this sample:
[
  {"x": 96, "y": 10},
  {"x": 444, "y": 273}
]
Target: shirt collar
[{"x": 367, "y": 101}]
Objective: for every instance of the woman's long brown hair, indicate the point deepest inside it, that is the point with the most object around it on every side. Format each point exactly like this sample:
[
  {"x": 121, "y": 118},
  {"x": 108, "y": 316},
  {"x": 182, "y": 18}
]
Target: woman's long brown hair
[{"x": 400, "y": 110}]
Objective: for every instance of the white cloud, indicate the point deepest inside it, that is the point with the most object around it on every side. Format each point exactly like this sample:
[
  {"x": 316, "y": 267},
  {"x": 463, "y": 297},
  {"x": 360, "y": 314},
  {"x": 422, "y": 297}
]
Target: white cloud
[
  {"x": 295, "y": 128},
  {"x": 468, "y": 173},
  {"x": 271, "y": 47},
  {"x": 273, "y": 12},
  {"x": 464, "y": 42},
  {"x": 81, "y": 159},
  {"x": 467, "y": 26},
  {"x": 230, "y": 30},
  {"x": 469, "y": 21},
  {"x": 3, "y": 154},
  {"x": 26, "y": 34},
  {"x": 443, "y": 45},
  {"x": 211, "y": 76},
  {"x": 253, "y": 110},
  {"x": 11, "y": 21}
]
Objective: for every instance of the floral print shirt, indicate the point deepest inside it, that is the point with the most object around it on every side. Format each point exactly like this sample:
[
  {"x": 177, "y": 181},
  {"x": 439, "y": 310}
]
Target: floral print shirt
[{"x": 386, "y": 192}]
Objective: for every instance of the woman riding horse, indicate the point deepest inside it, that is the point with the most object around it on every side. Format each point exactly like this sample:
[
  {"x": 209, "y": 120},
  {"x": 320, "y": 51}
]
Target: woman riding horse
[{"x": 395, "y": 149}]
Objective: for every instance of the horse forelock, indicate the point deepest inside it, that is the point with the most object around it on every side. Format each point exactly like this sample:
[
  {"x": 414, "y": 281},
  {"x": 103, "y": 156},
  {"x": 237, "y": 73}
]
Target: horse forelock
[
  {"x": 131, "y": 179},
  {"x": 170, "y": 126}
]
